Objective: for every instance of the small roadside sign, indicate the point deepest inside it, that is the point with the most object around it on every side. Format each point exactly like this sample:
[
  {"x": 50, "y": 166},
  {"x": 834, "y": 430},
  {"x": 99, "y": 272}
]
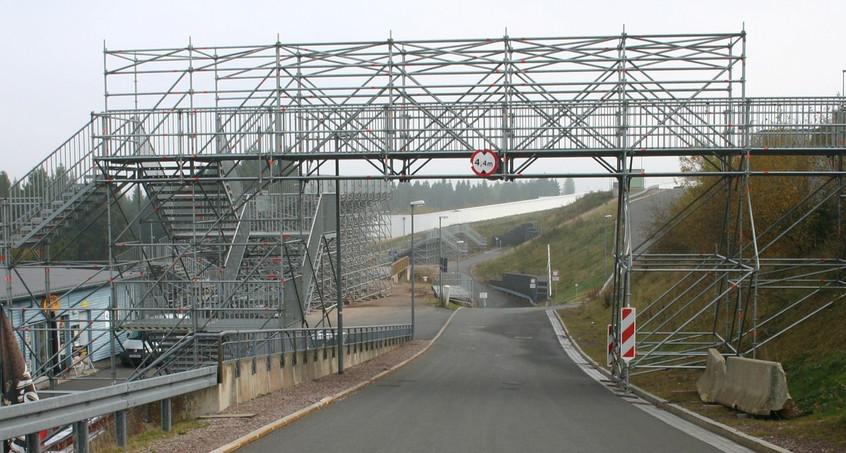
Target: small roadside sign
[
  {"x": 609, "y": 342},
  {"x": 556, "y": 275},
  {"x": 627, "y": 333}
]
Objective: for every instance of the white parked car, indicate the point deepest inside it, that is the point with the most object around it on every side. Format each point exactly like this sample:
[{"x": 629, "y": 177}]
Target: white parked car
[{"x": 136, "y": 349}]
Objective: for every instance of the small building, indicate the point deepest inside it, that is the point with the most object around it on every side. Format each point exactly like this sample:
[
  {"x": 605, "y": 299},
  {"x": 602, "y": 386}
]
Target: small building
[{"x": 58, "y": 313}]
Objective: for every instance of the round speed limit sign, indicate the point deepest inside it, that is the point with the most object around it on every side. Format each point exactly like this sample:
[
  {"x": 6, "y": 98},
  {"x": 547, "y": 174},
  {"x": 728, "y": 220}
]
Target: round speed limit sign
[{"x": 484, "y": 162}]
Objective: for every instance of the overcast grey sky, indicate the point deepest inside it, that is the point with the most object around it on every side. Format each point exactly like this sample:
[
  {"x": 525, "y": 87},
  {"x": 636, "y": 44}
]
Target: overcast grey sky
[{"x": 52, "y": 61}]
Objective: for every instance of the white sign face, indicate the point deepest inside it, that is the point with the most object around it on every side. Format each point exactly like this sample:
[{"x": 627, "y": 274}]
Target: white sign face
[
  {"x": 484, "y": 162},
  {"x": 483, "y": 295}
]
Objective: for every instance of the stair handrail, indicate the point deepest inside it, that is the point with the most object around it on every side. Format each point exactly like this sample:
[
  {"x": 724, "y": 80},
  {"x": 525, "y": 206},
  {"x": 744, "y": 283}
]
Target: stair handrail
[
  {"x": 238, "y": 247},
  {"x": 470, "y": 234},
  {"x": 161, "y": 361},
  {"x": 318, "y": 229},
  {"x": 74, "y": 158}
]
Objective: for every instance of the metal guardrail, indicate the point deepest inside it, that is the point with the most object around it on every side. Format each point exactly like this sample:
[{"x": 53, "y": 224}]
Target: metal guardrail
[
  {"x": 27, "y": 418},
  {"x": 513, "y": 293}
]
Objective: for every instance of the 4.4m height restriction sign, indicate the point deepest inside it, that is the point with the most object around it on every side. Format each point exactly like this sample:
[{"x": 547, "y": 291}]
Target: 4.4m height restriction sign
[{"x": 484, "y": 162}]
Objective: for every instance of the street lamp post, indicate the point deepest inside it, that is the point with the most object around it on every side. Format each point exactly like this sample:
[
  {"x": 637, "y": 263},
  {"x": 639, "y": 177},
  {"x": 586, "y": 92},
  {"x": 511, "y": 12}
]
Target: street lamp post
[
  {"x": 440, "y": 261},
  {"x": 605, "y": 254},
  {"x": 413, "y": 204}
]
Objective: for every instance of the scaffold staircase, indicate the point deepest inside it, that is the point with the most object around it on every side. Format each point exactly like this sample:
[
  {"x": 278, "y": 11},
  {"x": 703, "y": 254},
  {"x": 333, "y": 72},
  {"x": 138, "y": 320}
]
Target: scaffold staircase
[{"x": 62, "y": 187}]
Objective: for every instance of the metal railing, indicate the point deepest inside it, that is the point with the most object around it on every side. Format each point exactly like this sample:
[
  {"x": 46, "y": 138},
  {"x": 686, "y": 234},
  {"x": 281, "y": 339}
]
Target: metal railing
[
  {"x": 56, "y": 183},
  {"x": 206, "y": 348},
  {"x": 714, "y": 123},
  {"x": 650, "y": 125},
  {"x": 237, "y": 345},
  {"x": 461, "y": 287},
  {"x": 24, "y": 419},
  {"x": 468, "y": 232}
]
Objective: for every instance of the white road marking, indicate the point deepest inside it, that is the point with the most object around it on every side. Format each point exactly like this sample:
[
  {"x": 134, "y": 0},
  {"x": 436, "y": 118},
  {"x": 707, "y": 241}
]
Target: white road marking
[{"x": 702, "y": 434}]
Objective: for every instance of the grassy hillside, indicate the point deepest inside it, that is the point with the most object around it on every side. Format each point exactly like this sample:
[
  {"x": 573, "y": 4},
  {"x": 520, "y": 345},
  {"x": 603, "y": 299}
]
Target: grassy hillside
[
  {"x": 811, "y": 353},
  {"x": 575, "y": 235}
]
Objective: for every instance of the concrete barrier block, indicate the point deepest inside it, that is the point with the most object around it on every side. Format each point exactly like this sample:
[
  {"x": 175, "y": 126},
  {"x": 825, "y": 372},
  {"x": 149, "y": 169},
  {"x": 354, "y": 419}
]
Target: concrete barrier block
[
  {"x": 757, "y": 387},
  {"x": 714, "y": 375}
]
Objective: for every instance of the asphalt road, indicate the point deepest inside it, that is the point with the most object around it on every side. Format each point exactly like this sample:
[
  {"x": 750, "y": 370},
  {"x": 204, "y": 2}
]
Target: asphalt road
[
  {"x": 496, "y": 381},
  {"x": 496, "y": 298}
]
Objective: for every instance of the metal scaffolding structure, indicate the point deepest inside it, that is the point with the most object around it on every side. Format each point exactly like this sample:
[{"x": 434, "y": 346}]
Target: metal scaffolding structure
[
  {"x": 365, "y": 259},
  {"x": 227, "y": 144},
  {"x": 454, "y": 241}
]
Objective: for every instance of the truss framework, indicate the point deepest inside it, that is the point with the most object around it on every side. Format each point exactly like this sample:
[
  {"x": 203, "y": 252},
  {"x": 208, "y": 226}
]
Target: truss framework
[{"x": 211, "y": 133}]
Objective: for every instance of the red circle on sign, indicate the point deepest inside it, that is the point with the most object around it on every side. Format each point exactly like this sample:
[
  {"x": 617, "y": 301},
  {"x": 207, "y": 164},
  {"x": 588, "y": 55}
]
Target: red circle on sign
[{"x": 484, "y": 162}]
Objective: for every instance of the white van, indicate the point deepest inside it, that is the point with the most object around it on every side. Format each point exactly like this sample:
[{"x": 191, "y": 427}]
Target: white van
[{"x": 136, "y": 349}]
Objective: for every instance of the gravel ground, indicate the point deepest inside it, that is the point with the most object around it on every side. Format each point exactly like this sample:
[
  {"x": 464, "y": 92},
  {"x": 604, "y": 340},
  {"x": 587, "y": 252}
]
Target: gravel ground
[
  {"x": 802, "y": 445},
  {"x": 271, "y": 407}
]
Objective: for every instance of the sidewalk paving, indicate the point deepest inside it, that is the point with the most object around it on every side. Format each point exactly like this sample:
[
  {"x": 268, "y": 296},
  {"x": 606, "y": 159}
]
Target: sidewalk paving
[{"x": 393, "y": 309}]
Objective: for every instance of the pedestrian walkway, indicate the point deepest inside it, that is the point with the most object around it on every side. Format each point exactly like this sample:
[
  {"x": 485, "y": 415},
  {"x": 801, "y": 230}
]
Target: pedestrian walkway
[{"x": 393, "y": 309}]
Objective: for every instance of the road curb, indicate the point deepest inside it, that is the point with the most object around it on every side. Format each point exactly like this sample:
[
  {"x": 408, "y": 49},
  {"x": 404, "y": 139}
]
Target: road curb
[
  {"x": 739, "y": 437},
  {"x": 269, "y": 428}
]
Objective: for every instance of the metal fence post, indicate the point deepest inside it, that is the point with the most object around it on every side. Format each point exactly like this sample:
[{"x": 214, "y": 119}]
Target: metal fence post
[
  {"x": 121, "y": 436},
  {"x": 167, "y": 414},
  {"x": 33, "y": 443},
  {"x": 220, "y": 359},
  {"x": 80, "y": 437}
]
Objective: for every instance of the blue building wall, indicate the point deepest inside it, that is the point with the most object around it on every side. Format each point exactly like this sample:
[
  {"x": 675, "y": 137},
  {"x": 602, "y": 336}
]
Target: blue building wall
[{"x": 82, "y": 319}]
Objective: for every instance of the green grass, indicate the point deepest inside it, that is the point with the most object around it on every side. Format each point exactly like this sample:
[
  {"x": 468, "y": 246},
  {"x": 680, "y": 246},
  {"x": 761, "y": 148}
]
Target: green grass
[
  {"x": 576, "y": 238},
  {"x": 820, "y": 386},
  {"x": 146, "y": 436}
]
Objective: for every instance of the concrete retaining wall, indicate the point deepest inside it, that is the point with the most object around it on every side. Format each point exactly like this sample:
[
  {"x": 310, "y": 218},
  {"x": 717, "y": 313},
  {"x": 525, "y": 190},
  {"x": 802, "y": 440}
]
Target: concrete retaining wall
[
  {"x": 246, "y": 379},
  {"x": 754, "y": 386},
  {"x": 531, "y": 287}
]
